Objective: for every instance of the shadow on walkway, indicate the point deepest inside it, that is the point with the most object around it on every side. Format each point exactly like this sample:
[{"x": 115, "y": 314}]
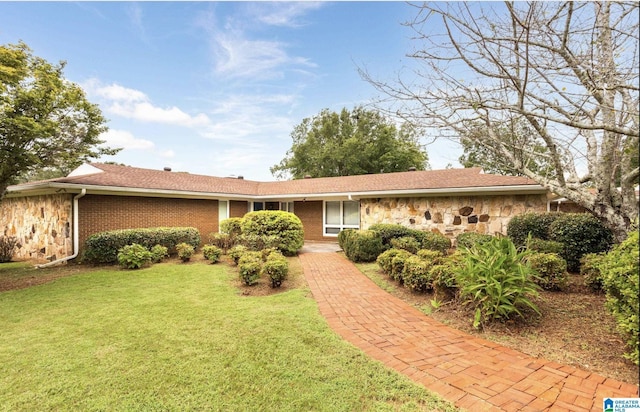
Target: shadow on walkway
[{"x": 473, "y": 373}]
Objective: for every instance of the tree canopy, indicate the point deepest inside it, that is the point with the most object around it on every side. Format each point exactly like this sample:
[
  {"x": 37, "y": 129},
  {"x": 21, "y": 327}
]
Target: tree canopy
[
  {"x": 352, "y": 142},
  {"x": 570, "y": 70},
  {"x": 46, "y": 122}
]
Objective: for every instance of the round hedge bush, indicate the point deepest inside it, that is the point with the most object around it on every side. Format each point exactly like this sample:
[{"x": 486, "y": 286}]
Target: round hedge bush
[
  {"x": 580, "y": 233},
  {"x": 286, "y": 226},
  {"x": 536, "y": 224}
]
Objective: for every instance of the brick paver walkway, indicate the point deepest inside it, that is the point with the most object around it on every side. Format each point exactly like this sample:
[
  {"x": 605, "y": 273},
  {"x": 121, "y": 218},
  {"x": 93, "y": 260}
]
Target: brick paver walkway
[{"x": 473, "y": 373}]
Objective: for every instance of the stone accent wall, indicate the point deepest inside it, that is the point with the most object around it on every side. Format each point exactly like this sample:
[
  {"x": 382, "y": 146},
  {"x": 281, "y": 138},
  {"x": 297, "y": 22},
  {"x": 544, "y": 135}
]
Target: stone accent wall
[
  {"x": 42, "y": 224},
  {"x": 451, "y": 215}
]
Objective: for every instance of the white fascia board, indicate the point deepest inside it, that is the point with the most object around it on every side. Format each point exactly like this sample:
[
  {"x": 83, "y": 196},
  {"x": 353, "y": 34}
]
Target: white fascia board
[
  {"x": 469, "y": 191},
  {"x": 52, "y": 187}
]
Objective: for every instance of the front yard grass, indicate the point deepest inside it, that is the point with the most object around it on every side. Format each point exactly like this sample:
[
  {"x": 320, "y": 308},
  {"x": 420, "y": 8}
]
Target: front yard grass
[{"x": 181, "y": 337}]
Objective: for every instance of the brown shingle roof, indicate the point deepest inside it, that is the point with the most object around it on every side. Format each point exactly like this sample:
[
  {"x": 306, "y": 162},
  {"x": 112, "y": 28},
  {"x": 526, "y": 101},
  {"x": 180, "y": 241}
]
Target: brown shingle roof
[{"x": 133, "y": 177}]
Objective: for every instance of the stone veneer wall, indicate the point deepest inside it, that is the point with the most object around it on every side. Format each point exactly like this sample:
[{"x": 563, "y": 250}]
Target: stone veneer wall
[
  {"x": 451, "y": 215},
  {"x": 42, "y": 224}
]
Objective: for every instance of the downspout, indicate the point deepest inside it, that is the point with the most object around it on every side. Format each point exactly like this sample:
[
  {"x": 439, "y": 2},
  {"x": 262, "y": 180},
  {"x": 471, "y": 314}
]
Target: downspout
[{"x": 76, "y": 234}]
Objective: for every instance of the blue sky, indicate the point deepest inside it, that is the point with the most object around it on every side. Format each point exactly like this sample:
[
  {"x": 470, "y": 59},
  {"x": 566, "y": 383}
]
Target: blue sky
[{"x": 217, "y": 88}]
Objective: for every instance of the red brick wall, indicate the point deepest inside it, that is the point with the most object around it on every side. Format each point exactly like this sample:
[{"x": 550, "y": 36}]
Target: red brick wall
[
  {"x": 310, "y": 213},
  {"x": 238, "y": 208},
  {"x": 101, "y": 213}
]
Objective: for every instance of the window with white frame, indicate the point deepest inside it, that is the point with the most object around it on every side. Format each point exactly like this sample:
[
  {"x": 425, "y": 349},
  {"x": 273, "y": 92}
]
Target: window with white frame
[{"x": 340, "y": 215}]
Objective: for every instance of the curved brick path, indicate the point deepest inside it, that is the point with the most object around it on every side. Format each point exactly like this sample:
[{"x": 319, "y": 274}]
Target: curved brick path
[{"x": 473, "y": 373}]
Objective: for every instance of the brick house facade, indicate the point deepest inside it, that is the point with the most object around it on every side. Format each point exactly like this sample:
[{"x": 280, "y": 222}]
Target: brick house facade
[{"x": 40, "y": 214}]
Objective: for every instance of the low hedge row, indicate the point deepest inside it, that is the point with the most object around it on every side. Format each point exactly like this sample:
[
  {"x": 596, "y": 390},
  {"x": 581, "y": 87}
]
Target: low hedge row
[{"x": 102, "y": 248}]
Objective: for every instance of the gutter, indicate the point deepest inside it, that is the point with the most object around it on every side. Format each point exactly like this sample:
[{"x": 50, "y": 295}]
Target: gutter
[{"x": 76, "y": 233}]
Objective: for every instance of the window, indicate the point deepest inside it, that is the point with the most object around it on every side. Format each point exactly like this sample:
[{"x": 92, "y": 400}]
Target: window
[
  {"x": 223, "y": 211},
  {"x": 341, "y": 215}
]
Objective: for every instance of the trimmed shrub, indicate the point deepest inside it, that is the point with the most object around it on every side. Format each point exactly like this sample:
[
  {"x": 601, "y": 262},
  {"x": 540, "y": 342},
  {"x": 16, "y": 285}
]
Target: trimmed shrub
[
  {"x": 385, "y": 258},
  {"x": 436, "y": 241},
  {"x": 185, "y": 251},
  {"x": 231, "y": 226},
  {"x": 544, "y": 246},
  {"x": 7, "y": 248},
  {"x": 257, "y": 242},
  {"x": 388, "y": 231},
  {"x": 397, "y": 264},
  {"x": 620, "y": 273},
  {"x": 236, "y": 252},
  {"x": 134, "y": 256},
  {"x": 590, "y": 269},
  {"x": 222, "y": 240},
  {"x": 408, "y": 243},
  {"x": 212, "y": 253},
  {"x": 344, "y": 236},
  {"x": 158, "y": 252},
  {"x": 580, "y": 233},
  {"x": 416, "y": 275},
  {"x": 496, "y": 281},
  {"x": 535, "y": 224},
  {"x": 363, "y": 246},
  {"x": 103, "y": 247},
  {"x": 276, "y": 267},
  {"x": 432, "y": 256},
  {"x": 444, "y": 278},
  {"x": 468, "y": 239},
  {"x": 286, "y": 226},
  {"x": 250, "y": 266},
  {"x": 551, "y": 270}
]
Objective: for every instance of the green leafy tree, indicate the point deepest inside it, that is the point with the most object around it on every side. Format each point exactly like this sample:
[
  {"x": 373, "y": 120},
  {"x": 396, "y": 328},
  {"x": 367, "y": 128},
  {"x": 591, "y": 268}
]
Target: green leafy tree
[
  {"x": 348, "y": 143},
  {"x": 516, "y": 137},
  {"x": 46, "y": 122}
]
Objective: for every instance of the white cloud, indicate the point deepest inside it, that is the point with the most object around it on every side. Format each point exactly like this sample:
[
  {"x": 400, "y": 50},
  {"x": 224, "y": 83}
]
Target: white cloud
[
  {"x": 285, "y": 14},
  {"x": 134, "y": 104},
  {"x": 126, "y": 140}
]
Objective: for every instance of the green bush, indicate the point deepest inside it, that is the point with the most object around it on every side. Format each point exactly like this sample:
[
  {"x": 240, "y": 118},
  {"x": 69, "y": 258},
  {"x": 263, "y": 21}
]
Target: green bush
[
  {"x": 363, "y": 246},
  {"x": 416, "y": 275},
  {"x": 276, "y": 268},
  {"x": 436, "y": 241},
  {"x": 222, "y": 240},
  {"x": 103, "y": 247},
  {"x": 397, "y": 264},
  {"x": 535, "y": 224},
  {"x": 590, "y": 270},
  {"x": 344, "y": 236},
  {"x": 185, "y": 251},
  {"x": 432, "y": 256},
  {"x": 212, "y": 253},
  {"x": 468, "y": 239},
  {"x": 236, "y": 252},
  {"x": 134, "y": 256},
  {"x": 390, "y": 231},
  {"x": 496, "y": 281},
  {"x": 620, "y": 282},
  {"x": 231, "y": 226},
  {"x": 544, "y": 246},
  {"x": 385, "y": 258},
  {"x": 250, "y": 266},
  {"x": 551, "y": 270},
  {"x": 286, "y": 226},
  {"x": 257, "y": 242},
  {"x": 580, "y": 233},
  {"x": 408, "y": 243},
  {"x": 159, "y": 252},
  {"x": 7, "y": 248},
  {"x": 444, "y": 278}
]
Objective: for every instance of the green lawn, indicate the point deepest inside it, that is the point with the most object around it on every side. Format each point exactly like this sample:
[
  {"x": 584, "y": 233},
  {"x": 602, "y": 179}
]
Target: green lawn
[{"x": 180, "y": 337}]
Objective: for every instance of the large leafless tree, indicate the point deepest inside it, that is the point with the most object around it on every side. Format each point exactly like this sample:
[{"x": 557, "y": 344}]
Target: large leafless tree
[{"x": 567, "y": 69}]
